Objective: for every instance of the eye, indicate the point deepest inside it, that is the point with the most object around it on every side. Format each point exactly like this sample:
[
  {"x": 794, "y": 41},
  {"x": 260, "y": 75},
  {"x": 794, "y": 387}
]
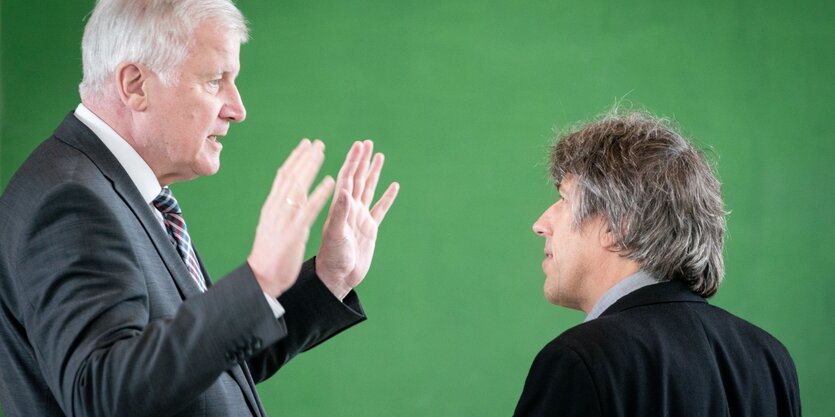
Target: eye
[{"x": 214, "y": 84}]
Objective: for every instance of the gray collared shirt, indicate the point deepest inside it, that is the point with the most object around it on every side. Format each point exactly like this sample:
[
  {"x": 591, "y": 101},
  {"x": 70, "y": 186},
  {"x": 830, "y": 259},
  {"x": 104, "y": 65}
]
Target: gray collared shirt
[{"x": 627, "y": 285}]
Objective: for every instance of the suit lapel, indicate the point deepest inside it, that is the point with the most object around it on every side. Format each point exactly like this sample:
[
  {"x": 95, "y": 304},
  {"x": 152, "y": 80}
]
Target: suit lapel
[{"x": 76, "y": 134}]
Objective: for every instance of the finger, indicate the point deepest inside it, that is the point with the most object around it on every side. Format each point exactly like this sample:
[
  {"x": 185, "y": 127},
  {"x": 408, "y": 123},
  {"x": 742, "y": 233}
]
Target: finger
[
  {"x": 378, "y": 213},
  {"x": 285, "y": 170},
  {"x": 362, "y": 170},
  {"x": 318, "y": 198},
  {"x": 308, "y": 167},
  {"x": 373, "y": 178},
  {"x": 345, "y": 178},
  {"x": 301, "y": 151}
]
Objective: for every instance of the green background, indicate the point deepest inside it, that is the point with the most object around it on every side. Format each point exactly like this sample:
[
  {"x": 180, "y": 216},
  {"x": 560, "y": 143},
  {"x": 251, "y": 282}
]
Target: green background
[{"x": 463, "y": 97}]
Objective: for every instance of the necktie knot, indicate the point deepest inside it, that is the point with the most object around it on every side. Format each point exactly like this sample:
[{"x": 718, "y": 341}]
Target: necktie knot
[{"x": 166, "y": 203}]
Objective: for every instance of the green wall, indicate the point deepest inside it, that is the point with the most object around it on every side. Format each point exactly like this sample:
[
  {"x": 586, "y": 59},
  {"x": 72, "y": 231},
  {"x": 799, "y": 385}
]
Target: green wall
[{"x": 463, "y": 97}]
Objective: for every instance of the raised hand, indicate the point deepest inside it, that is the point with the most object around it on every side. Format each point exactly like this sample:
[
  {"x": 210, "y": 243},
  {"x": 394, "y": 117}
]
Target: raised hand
[
  {"x": 350, "y": 232},
  {"x": 286, "y": 217}
]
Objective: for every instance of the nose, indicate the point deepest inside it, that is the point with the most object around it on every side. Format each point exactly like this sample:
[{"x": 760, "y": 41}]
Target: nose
[
  {"x": 233, "y": 109},
  {"x": 541, "y": 226}
]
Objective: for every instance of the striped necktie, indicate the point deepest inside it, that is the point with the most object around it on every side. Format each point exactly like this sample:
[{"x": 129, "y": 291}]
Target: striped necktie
[{"x": 177, "y": 232}]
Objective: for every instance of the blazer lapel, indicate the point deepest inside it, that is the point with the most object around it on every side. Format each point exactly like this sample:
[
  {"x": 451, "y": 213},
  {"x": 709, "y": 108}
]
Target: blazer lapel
[{"x": 76, "y": 134}]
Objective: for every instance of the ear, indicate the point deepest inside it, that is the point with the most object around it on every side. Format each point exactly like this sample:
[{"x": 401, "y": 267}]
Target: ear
[
  {"x": 132, "y": 82},
  {"x": 607, "y": 238}
]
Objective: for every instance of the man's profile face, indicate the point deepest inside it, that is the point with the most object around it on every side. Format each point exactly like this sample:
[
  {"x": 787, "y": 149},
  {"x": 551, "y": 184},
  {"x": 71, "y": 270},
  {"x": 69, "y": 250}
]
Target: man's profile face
[
  {"x": 570, "y": 253},
  {"x": 186, "y": 119}
]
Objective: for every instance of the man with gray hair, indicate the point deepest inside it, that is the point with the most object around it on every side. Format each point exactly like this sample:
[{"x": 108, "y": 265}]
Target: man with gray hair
[
  {"x": 105, "y": 306},
  {"x": 635, "y": 241}
]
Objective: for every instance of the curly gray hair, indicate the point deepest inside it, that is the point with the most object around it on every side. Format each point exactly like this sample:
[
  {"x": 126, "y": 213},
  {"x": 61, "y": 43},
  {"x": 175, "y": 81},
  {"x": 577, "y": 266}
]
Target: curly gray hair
[{"x": 656, "y": 192}]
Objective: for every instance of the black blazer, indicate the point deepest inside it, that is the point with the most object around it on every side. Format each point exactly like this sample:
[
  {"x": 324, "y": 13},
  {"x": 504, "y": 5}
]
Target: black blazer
[
  {"x": 662, "y": 351},
  {"x": 98, "y": 314}
]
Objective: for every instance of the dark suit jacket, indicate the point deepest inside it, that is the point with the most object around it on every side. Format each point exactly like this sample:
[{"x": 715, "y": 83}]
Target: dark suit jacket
[
  {"x": 662, "y": 351},
  {"x": 98, "y": 314}
]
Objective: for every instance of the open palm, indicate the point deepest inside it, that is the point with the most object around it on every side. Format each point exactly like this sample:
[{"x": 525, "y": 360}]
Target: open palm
[{"x": 350, "y": 232}]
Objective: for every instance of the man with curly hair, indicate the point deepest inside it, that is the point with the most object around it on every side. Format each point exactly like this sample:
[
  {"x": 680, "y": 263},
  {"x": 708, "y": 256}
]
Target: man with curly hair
[{"x": 635, "y": 241}]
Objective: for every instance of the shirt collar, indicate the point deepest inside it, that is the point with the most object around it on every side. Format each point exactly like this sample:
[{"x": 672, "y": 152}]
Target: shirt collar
[
  {"x": 625, "y": 286},
  {"x": 136, "y": 167}
]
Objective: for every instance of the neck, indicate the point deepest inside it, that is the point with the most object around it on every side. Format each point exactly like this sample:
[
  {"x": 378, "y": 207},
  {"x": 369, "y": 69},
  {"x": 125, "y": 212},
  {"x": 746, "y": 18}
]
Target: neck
[
  {"x": 113, "y": 112},
  {"x": 609, "y": 273}
]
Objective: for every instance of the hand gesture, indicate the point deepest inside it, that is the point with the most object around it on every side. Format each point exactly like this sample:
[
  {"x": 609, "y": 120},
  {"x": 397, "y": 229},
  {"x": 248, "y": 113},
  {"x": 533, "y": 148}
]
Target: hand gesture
[
  {"x": 286, "y": 217},
  {"x": 350, "y": 231}
]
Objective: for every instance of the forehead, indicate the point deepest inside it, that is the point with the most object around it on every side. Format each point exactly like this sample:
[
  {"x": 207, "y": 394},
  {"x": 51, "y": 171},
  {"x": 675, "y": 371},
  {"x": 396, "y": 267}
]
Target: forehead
[{"x": 567, "y": 183}]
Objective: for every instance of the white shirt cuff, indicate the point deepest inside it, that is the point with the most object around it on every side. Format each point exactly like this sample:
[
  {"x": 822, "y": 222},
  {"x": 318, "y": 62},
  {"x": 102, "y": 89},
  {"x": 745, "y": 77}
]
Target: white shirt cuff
[{"x": 275, "y": 306}]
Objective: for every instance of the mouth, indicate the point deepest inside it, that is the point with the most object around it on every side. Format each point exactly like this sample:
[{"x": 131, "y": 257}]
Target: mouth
[
  {"x": 548, "y": 255},
  {"x": 214, "y": 138}
]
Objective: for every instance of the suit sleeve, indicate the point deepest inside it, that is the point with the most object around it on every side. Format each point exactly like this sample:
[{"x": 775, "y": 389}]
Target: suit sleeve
[
  {"x": 312, "y": 315},
  {"x": 86, "y": 309},
  {"x": 558, "y": 384}
]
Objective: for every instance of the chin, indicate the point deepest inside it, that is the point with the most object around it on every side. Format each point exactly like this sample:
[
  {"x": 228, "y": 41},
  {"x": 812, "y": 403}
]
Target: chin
[
  {"x": 212, "y": 171},
  {"x": 207, "y": 168},
  {"x": 554, "y": 298},
  {"x": 551, "y": 291}
]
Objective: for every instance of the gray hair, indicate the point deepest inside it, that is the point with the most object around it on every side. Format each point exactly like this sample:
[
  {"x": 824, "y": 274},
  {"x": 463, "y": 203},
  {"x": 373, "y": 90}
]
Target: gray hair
[
  {"x": 656, "y": 192},
  {"x": 156, "y": 33}
]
